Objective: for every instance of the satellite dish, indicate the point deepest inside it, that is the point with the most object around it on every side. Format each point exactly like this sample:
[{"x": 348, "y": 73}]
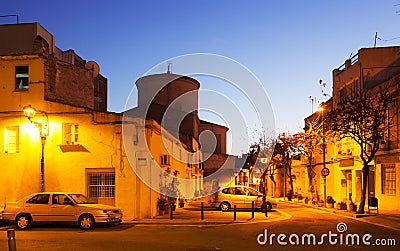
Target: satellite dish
[{"x": 94, "y": 67}]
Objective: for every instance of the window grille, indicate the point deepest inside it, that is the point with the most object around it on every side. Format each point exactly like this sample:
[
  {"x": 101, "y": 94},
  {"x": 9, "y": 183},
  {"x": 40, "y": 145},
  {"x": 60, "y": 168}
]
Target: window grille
[
  {"x": 101, "y": 184},
  {"x": 389, "y": 179}
]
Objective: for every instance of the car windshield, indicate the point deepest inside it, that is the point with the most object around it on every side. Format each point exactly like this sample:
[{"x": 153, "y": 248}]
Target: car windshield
[{"x": 81, "y": 199}]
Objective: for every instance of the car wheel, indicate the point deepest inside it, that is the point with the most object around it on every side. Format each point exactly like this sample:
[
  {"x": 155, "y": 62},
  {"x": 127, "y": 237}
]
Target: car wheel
[
  {"x": 23, "y": 221},
  {"x": 224, "y": 206},
  {"x": 86, "y": 222}
]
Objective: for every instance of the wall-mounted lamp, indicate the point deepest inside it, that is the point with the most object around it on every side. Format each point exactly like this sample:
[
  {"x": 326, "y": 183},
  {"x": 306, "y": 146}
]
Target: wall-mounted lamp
[
  {"x": 43, "y": 127},
  {"x": 29, "y": 112}
]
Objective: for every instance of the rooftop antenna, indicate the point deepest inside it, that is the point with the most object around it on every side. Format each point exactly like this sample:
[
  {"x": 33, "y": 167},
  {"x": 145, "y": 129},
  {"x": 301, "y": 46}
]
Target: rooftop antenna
[
  {"x": 312, "y": 101},
  {"x": 17, "y": 17},
  {"x": 376, "y": 37},
  {"x": 169, "y": 69}
]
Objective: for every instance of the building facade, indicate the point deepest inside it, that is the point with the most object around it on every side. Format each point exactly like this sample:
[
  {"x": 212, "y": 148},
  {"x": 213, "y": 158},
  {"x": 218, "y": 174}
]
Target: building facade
[
  {"x": 370, "y": 69},
  {"x": 58, "y": 135}
]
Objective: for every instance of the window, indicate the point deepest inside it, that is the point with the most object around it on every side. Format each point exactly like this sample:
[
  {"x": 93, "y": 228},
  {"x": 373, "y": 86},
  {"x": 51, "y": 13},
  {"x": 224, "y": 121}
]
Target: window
[
  {"x": 21, "y": 77},
  {"x": 70, "y": 134},
  {"x": 11, "y": 139},
  {"x": 39, "y": 199},
  {"x": 59, "y": 199},
  {"x": 389, "y": 179},
  {"x": 230, "y": 190},
  {"x": 342, "y": 95},
  {"x": 165, "y": 160},
  {"x": 101, "y": 184}
]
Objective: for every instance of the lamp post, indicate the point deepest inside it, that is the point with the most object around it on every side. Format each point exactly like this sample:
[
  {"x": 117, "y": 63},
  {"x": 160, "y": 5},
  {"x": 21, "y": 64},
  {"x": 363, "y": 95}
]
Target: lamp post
[
  {"x": 30, "y": 113},
  {"x": 325, "y": 170}
]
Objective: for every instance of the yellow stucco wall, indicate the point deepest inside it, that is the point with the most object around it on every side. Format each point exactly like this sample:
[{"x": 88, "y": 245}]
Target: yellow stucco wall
[{"x": 14, "y": 100}]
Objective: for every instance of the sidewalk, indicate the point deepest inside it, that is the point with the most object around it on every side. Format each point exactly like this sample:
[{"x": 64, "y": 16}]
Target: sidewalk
[
  {"x": 385, "y": 218},
  {"x": 191, "y": 215}
]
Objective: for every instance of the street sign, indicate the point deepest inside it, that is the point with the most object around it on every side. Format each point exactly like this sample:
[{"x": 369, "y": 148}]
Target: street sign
[{"x": 325, "y": 171}]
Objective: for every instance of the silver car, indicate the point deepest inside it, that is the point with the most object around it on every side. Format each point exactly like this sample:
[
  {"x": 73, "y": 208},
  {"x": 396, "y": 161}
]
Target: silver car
[
  {"x": 242, "y": 197},
  {"x": 59, "y": 207}
]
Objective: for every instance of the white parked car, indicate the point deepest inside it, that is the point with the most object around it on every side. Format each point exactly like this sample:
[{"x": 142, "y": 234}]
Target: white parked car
[
  {"x": 242, "y": 197},
  {"x": 59, "y": 207}
]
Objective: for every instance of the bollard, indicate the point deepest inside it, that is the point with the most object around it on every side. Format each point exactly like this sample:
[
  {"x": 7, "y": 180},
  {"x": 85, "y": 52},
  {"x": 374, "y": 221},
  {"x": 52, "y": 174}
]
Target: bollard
[
  {"x": 11, "y": 240},
  {"x": 171, "y": 217},
  {"x": 252, "y": 209},
  {"x": 202, "y": 211},
  {"x": 234, "y": 212}
]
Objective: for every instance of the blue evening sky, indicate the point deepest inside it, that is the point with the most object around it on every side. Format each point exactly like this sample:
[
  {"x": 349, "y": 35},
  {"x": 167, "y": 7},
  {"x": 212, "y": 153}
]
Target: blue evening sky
[{"x": 288, "y": 45}]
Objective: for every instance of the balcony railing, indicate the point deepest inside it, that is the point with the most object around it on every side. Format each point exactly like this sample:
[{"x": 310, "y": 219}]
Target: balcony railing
[{"x": 353, "y": 60}]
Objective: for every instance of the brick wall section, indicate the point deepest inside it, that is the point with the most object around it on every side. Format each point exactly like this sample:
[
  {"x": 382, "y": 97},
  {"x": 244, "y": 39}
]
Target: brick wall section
[
  {"x": 69, "y": 84},
  {"x": 213, "y": 163}
]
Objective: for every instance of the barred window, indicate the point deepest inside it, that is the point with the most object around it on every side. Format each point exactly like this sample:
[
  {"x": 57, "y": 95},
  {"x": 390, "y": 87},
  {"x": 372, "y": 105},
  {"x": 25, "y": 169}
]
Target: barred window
[
  {"x": 389, "y": 179},
  {"x": 101, "y": 184}
]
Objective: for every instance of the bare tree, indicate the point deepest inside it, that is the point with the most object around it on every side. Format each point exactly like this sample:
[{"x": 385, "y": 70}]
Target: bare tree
[
  {"x": 309, "y": 144},
  {"x": 259, "y": 156},
  {"x": 287, "y": 147},
  {"x": 363, "y": 118}
]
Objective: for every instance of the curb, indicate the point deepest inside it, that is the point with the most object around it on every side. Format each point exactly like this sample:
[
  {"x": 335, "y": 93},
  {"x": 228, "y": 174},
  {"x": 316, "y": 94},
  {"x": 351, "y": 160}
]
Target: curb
[
  {"x": 329, "y": 210},
  {"x": 183, "y": 222}
]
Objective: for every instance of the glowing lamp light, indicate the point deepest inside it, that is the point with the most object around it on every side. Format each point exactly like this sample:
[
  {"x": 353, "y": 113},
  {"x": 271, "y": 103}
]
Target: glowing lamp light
[
  {"x": 29, "y": 112},
  {"x": 320, "y": 108}
]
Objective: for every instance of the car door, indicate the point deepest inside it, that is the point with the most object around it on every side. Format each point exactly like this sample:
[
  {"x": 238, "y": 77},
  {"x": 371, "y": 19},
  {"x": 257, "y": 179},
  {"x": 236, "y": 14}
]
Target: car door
[
  {"x": 62, "y": 208},
  {"x": 256, "y": 196},
  {"x": 38, "y": 207},
  {"x": 239, "y": 197},
  {"x": 250, "y": 196}
]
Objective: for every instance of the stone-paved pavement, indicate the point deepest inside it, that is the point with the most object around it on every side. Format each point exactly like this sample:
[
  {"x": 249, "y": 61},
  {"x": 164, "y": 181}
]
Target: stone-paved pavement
[{"x": 385, "y": 218}]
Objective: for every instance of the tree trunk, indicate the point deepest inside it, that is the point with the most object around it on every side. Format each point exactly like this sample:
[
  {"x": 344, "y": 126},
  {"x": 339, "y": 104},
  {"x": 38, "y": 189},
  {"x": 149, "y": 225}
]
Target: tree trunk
[
  {"x": 365, "y": 171},
  {"x": 290, "y": 178}
]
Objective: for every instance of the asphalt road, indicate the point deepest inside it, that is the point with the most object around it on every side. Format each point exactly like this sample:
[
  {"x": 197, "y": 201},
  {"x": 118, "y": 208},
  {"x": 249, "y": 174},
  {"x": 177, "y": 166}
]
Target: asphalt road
[{"x": 304, "y": 223}]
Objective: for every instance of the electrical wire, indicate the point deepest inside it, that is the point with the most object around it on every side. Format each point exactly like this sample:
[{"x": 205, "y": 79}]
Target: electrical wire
[{"x": 387, "y": 40}]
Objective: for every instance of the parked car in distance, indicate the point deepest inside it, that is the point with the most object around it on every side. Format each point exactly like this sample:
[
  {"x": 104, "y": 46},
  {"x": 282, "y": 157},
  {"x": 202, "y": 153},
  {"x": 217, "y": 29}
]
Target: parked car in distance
[
  {"x": 59, "y": 207},
  {"x": 242, "y": 197}
]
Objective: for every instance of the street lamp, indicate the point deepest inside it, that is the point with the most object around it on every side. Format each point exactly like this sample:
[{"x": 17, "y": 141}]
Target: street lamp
[
  {"x": 29, "y": 112},
  {"x": 43, "y": 128},
  {"x": 325, "y": 170}
]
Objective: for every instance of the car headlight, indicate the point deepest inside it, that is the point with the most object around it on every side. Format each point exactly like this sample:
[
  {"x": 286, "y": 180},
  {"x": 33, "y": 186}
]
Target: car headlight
[{"x": 107, "y": 212}]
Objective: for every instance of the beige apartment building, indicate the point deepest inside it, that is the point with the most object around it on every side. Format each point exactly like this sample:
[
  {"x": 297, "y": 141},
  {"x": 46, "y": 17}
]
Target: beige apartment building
[{"x": 369, "y": 69}]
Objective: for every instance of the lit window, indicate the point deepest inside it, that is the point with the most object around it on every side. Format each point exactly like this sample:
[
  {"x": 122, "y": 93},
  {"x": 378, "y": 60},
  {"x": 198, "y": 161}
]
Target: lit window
[
  {"x": 101, "y": 184},
  {"x": 165, "y": 160},
  {"x": 21, "y": 77},
  {"x": 389, "y": 179},
  {"x": 70, "y": 134},
  {"x": 11, "y": 139}
]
